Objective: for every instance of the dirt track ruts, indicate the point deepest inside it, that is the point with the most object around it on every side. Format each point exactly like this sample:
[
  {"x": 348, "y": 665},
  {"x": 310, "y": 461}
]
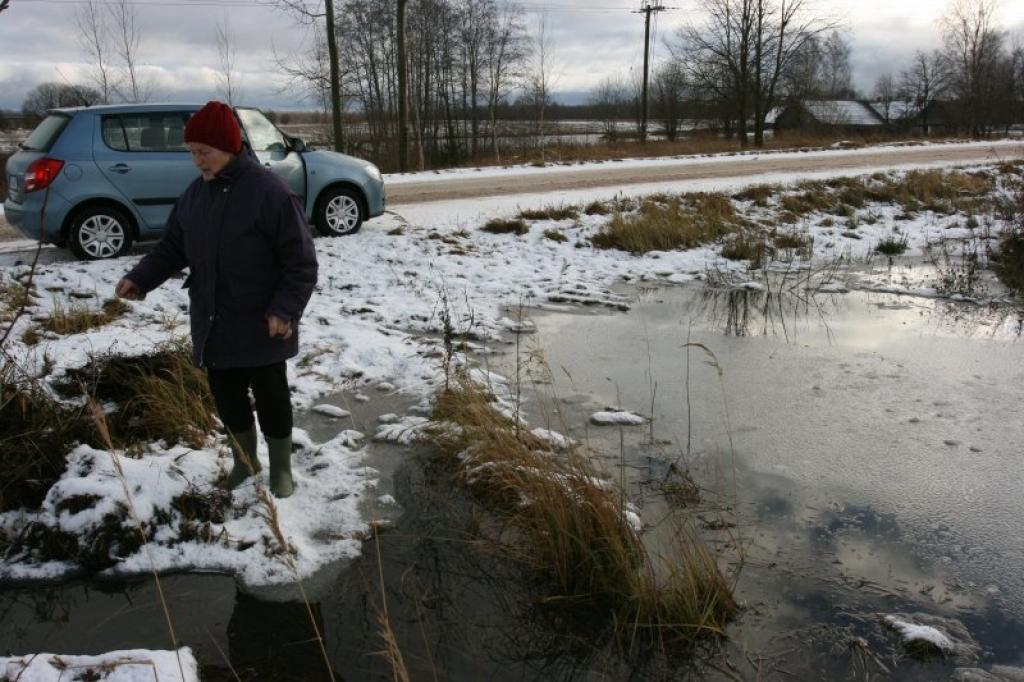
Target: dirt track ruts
[{"x": 607, "y": 175}]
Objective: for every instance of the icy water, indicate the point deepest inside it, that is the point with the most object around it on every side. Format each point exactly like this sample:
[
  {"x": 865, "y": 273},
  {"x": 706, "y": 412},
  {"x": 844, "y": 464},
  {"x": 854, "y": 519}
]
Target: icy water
[{"x": 867, "y": 447}]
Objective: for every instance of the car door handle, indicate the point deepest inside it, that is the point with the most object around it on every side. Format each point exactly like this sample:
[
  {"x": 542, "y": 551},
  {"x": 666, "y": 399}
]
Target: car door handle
[{"x": 120, "y": 168}]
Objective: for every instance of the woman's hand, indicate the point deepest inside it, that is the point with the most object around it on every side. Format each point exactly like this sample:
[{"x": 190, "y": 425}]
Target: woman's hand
[
  {"x": 128, "y": 289},
  {"x": 278, "y": 327}
]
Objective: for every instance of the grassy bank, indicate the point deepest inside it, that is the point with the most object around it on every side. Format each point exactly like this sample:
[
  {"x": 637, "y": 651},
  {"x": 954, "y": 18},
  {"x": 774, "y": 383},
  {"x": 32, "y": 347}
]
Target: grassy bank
[{"x": 574, "y": 529}]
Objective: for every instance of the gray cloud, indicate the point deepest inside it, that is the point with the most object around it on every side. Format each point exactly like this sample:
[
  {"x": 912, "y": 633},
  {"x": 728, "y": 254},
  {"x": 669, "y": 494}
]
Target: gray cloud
[{"x": 587, "y": 46}]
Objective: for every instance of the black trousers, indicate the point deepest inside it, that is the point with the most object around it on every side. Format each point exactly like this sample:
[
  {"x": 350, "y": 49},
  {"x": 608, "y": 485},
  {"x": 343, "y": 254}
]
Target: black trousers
[{"x": 269, "y": 385}]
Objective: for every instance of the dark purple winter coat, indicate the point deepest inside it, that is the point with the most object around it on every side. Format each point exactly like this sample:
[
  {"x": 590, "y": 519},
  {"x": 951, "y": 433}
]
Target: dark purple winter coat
[{"x": 244, "y": 238}]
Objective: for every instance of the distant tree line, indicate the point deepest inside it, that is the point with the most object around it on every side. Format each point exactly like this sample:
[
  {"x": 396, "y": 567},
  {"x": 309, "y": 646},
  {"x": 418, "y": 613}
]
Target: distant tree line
[{"x": 740, "y": 59}]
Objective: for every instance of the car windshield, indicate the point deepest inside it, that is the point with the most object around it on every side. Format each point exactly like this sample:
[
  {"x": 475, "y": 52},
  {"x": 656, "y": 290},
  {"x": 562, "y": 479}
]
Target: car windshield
[
  {"x": 263, "y": 135},
  {"x": 45, "y": 133}
]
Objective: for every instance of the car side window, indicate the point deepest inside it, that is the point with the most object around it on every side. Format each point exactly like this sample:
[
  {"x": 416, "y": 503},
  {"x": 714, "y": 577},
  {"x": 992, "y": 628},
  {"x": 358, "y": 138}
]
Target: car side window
[
  {"x": 263, "y": 135},
  {"x": 113, "y": 134},
  {"x": 152, "y": 132}
]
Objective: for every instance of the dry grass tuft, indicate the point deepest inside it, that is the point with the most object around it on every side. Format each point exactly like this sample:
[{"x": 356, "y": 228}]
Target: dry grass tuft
[
  {"x": 572, "y": 527},
  {"x": 667, "y": 223},
  {"x": 157, "y": 397},
  {"x": 746, "y": 246},
  {"x": 759, "y": 194},
  {"x": 506, "y": 226},
  {"x": 893, "y": 245},
  {"x": 36, "y": 432},
  {"x": 555, "y": 236},
  {"x": 78, "y": 317},
  {"x": 550, "y": 213},
  {"x": 162, "y": 396},
  {"x": 1008, "y": 258},
  {"x": 13, "y": 297}
]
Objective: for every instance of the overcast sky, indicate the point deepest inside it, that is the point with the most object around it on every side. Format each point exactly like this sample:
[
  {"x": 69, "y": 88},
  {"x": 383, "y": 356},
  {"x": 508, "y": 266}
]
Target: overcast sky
[{"x": 590, "y": 40}]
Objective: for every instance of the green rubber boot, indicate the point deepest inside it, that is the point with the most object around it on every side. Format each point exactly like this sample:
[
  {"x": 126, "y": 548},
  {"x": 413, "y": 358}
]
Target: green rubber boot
[
  {"x": 281, "y": 483},
  {"x": 243, "y": 449}
]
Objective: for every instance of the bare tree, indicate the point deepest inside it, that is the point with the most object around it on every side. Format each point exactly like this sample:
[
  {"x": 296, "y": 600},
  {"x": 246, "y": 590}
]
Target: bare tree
[
  {"x": 924, "y": 83},
  {"x": 742, "y": 50},
  {"x": 541, "y": 78},
  {"x": 669, "y": 95},
  {"x": 326, "y": 39},
  {"x": 307, "y": 72},
  {"x": 836, "y": 73},
  {"x": 94, "y": 38},
  {"x": 127, "y": 38},
  {"x": 885, "y": 95},
  {"x": 610, "y": 99},
  {"x": 506, "y": 50},
  {"x": 228, "y": 85},
  {"x": 972, "y": 46}
]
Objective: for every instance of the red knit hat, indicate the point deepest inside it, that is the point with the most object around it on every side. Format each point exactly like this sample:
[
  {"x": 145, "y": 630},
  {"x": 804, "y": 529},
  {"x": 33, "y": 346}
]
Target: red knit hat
[{"x": 215, "y": 124}]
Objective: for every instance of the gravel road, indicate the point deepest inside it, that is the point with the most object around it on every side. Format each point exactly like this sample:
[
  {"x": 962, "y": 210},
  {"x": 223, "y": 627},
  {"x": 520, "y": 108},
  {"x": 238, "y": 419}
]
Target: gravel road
[{"x": 607, "y": 175}]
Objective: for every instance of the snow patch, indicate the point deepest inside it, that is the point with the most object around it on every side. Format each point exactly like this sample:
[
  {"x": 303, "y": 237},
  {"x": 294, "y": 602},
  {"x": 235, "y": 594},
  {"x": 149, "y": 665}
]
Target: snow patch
[
  {"x": 133, "y": 665},
  {"x": 617, "y": 417},
  {"x": 331, "y": 410}
]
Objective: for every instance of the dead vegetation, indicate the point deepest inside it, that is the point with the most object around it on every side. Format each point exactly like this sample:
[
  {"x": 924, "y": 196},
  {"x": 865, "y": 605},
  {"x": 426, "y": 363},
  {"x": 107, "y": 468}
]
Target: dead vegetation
[
  {"x": 516, "y": 226},
  {"x": 162, "y": 396},
  {"x": 156, "y": 397},
  {"x": 574, "y": 529},
  {"x": 1008, "y": 259},
  {"x": 893, "y": 245},
  {"x": 942, "y": 192},
  {"x": 664, "y": 223},
  {"x": 550, "y": 213}
]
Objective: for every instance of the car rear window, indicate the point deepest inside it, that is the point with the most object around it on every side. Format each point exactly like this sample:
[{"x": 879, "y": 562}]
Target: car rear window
[
  {"x": 46, "y": 133},
  {"x": 152, "y": 132}
]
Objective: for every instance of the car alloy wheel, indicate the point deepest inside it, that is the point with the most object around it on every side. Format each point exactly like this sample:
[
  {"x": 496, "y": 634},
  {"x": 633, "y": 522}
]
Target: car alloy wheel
[
  {"x": 340, "y": 213},
  {"x": 98, "y": 234}
]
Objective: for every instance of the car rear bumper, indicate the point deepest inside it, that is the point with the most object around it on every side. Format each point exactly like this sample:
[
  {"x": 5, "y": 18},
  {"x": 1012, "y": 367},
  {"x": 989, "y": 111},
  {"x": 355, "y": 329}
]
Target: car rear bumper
[{"x": 25, "y": 217}]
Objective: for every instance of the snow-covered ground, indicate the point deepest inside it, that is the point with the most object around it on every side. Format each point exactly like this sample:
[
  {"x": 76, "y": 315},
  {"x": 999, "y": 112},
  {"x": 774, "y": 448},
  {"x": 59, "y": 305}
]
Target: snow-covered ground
[
  {"x": 372, "y": 327},
  {"x": 136, "y": 665}
]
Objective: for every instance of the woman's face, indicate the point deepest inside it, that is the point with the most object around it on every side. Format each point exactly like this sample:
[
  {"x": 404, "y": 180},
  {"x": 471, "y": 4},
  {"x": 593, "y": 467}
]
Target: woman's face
[{"x": 209, "y": 160}]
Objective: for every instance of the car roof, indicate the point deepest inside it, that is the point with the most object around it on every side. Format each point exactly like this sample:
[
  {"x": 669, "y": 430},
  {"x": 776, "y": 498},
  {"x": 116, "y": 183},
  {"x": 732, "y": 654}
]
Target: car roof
[{"x": 130, "y": 108}]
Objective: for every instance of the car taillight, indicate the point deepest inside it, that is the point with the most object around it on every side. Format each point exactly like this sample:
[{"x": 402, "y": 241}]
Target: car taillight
[{"x": 41, "y": 173}]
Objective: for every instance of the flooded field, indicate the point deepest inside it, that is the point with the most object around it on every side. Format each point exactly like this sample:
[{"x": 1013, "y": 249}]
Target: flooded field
[
  {"x": 857, "y": 457},
  {"x": 850, "y": 456}
]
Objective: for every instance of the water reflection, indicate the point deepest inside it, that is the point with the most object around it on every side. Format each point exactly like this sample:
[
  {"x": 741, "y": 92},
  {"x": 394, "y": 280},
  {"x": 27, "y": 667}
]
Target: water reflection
[{"x": 807, "y": 311}]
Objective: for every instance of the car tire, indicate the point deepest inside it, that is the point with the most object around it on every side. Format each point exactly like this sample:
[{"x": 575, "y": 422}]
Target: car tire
[
  {"x": 338, "y": 212},
  {"x": 99, "y": 233}
]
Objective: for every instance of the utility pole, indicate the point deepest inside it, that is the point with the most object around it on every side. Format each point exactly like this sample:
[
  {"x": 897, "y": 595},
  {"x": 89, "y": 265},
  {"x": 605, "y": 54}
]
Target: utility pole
[
  {"x": 403, "y": 92},
  {"x": 646, "y": 10},
  {"x": 335, "y": 76}
]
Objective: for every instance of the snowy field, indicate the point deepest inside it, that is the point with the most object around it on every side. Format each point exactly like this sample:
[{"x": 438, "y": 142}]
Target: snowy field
[{"x": 372, "y": 329}]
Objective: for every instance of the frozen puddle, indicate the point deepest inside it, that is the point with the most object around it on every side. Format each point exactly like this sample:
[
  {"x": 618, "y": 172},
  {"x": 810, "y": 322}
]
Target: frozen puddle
[{"x": 876, "y": 464}]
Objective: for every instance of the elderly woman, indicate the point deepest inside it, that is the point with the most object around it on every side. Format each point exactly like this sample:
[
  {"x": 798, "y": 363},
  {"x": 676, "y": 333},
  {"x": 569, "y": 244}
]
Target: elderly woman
[{"x": 252, "y": 268}]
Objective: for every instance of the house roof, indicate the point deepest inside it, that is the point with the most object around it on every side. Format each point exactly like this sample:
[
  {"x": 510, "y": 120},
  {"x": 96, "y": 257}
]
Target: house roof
[
  {"x": 843, "y": 112},
  {"x": 898, "y": 109}
]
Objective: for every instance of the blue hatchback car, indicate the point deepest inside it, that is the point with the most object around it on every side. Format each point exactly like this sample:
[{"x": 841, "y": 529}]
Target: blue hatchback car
[{"x": 96, "y": 179}]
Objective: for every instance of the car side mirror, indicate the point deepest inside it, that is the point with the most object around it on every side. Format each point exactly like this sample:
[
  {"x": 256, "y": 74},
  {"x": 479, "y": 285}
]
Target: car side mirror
[{"x": 297, "y": 144}]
